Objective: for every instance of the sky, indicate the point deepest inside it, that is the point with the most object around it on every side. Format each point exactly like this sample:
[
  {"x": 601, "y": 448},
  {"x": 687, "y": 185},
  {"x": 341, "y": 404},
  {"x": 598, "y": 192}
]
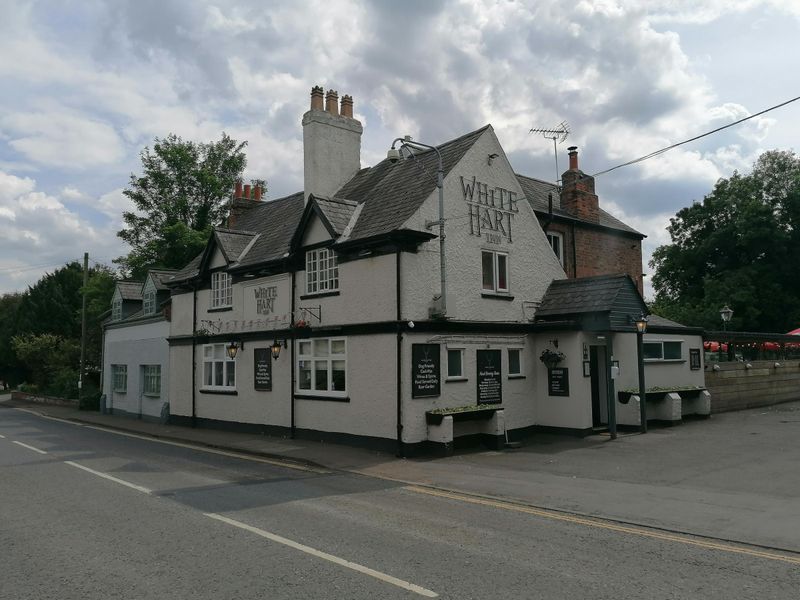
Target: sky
[{"x": 88, "y": 84}]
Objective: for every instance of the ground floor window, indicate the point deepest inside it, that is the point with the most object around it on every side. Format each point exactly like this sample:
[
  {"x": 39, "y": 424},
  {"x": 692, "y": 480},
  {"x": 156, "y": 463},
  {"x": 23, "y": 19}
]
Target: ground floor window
[
  {"x": 515, "y": 362},
  {"x": 663, "y": 350},
  {"x": 119, "y": 378},
  {"x": 455, "y": 363},
  {"x": 219, "y": 369},
  {"x": 322, "y": 366},
  {"x": 151, "y": 380}
]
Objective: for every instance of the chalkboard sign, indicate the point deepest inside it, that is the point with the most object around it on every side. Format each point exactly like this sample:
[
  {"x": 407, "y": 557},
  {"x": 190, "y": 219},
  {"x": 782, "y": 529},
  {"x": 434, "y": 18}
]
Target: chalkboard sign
[
  {"x": 262, "y": 369},
  {"x": 426, "y": 370},
  {"x": 490, "y": 382},
  {"x": 558, "y": 382}
]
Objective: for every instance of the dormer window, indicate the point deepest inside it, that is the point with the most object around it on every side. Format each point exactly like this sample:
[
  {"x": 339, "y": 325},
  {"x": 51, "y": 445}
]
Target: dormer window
[
  {"x": 149, "y": 301},
  {"x": 116, "y": 309},
  {"x": 221, "y": 290},
  {"x": 322, "y": 271}
]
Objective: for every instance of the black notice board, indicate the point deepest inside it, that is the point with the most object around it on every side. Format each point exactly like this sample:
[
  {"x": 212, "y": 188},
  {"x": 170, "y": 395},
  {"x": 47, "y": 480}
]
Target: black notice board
[
  {"x": 490, "y": 382},
  {"x": 694, "y": 359},
  {"x": 558, "y": 382},
  {"x": 426, "y": 370},
  {"x": 262, "y": 369}
]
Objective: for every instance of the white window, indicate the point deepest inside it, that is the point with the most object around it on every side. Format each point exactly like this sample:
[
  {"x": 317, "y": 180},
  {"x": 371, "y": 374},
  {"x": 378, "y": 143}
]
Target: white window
[
  {"x": 119, "y": 378},
  {"x": 221, "y": 290},
  {"x": 663, "y": 350},
  {"x": 322, "y": 271},
  {"x": 515, "y": 362},
  {"x": 150, "y": 303},
  {"x": 494, "y": 271},
  {"x": 116, "y": 309},
  {"x": 455, "y": 363},
  {"x": 322, "y": 366},
  {"x": 219, "y": 369},
  {"x": 557, "y": 244},
  {"x": 151, "y": 380}
]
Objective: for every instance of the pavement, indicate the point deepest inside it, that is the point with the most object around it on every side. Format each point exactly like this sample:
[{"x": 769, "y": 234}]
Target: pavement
[{"x": 733, "y": 477}]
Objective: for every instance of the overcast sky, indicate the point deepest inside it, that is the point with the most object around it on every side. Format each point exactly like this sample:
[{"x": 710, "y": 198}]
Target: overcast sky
[{"x": 86, "y": 85}]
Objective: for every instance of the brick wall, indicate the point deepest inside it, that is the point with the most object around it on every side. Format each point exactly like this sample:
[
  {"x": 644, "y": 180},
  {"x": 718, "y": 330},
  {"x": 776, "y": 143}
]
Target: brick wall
[{"x": 735, "y": 387}]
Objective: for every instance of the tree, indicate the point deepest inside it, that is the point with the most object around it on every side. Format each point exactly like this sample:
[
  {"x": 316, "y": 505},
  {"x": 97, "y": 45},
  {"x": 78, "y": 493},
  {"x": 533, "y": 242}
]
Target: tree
[
  {"x": 181, "y": 194},
  {"x": 11, "y": 370},
  {"x": 739, "y": 247}
]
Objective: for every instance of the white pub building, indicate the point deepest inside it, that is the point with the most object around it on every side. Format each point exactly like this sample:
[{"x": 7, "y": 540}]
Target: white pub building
[{"x": 321, "y": 314}]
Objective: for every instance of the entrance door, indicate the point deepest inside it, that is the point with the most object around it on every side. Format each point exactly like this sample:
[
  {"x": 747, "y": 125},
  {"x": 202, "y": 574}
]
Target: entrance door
[{"x": 597, "y": 366}]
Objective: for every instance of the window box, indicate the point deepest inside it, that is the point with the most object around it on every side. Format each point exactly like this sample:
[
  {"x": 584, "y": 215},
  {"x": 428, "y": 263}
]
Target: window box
[{"x": 462, "y": 413}]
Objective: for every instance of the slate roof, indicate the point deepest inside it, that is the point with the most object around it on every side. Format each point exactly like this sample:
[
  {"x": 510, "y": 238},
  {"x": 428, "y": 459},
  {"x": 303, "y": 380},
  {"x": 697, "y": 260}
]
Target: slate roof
[
  {"x": 188, "y": 272},
  {"x": 337, "y": 211},
  {"x": 536, "y": 192},
  {"x": 392, "y": 192},
  {"x": 232, "y": 242},
  {"x": 159, "y": 276},
  {"x": 130, "y": 290},
  {"x": 582, "y": 295}
]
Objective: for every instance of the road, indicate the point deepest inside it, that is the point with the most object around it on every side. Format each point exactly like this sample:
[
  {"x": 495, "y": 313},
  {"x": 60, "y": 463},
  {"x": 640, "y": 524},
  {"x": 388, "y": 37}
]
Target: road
[{"x": 90, "y": 513}]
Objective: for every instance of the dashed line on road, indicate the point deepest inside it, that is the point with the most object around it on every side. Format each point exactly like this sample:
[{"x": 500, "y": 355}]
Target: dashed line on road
[
  {"x": 133, "y": 486},
  {"x": 29, "y": 447},
  {"x": 659, "y": 535},
  {"x": 325, "y": 556},
  {"x": 260, "y": 459},
  {"x": 2, "y": 436}
]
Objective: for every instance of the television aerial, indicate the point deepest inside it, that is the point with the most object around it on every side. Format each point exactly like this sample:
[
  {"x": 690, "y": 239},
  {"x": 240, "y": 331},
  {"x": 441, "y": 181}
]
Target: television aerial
[{"x": 558, "y": 134}]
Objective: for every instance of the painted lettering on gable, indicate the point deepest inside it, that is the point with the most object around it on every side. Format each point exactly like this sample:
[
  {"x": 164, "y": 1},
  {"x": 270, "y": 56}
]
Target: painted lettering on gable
[
  {"x": 491, "y": 210},
  {"x": 265, "y": 299}
]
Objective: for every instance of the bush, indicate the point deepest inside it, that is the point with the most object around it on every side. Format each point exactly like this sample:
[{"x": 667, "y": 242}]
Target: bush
[
  {"x": 90, "y": 401},
  {"x": 28, "y": 388},
  {"x": 64, "y": 383}
]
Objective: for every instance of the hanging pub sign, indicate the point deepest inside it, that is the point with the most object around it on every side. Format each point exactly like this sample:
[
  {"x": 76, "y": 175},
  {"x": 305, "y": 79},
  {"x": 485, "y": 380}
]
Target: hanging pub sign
[
  {"x": 426, "y": 370},
  {"x": 558, "y": 381},
  {"x": 262, "y": 369},
  {"x": 490, "y": 382}
]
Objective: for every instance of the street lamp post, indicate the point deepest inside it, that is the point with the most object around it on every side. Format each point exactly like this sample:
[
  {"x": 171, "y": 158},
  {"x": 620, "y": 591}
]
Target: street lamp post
[
  {"x": 641, "y": 329},
  {"x": 394, "y": 155},
  {"x": 726, "y": 313}
]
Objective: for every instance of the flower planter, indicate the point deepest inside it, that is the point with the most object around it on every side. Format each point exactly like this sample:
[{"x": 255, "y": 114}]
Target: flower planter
[{"x": 471, "y": 414}]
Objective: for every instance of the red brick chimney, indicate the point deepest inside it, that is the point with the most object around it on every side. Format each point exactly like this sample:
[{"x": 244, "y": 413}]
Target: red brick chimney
[
  {"x": 242, "y": 201},
  {"x": 577, "y": 191},
  {"x": 347, "y": 106},
  {"x": 332, "y": 102},
  {"x": 316, "y": 98}
]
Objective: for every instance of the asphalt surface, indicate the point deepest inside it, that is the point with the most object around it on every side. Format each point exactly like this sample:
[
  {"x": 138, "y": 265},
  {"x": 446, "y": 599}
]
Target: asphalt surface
[{"x": 89, "y": 513}]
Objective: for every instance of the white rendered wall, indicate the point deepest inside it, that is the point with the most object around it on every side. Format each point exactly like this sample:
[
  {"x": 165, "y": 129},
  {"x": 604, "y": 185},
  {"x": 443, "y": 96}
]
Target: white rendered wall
[{"x": 657, "y": 373}]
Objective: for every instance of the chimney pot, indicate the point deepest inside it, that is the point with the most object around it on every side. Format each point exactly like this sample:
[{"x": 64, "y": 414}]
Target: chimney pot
[
  {"x": 573, "y": 158},
  {"x": 316, "y": 97},
  {"x": 257, "y": 193},
  {"x": 247, "y": 191},
  {"x": 332, "y": 102},
  {"x": 347, "y": 106},
  {"x": 237, "y": 191}
]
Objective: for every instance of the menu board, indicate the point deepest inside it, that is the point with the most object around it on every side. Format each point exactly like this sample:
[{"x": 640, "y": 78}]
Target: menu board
[
  {"x": 426, "y": 370},
  {"x": 490, "y": 382},
  {"x": 262, "y": 369},
  {"x": 558, "y": 382}
]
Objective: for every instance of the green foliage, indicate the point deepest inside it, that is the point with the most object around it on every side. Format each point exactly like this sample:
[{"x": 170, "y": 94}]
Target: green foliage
[
  {"x": 739, "y": 247},
  {"x": 49, "y": 358},
  {"x": 180, "y": 195},
  {"x": 11, "y": 370}
]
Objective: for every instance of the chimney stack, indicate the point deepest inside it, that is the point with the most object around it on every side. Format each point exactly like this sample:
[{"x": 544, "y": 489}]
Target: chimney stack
[
  {"x": 332, "y": 102},
  {"x": 331, "y": 144},
  {"x": 573, "y": 158},
  {"x": 237, "y": 192},
  {"x": 257, "y": 193}
]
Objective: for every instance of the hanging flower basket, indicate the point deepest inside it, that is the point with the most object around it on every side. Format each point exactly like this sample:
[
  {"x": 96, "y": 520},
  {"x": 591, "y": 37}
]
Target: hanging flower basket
[
  {"x": 551, "y": 358},
  {"x": 300, "y": 324}
]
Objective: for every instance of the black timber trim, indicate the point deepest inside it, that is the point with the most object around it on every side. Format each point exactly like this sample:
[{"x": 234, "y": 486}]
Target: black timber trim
[
  {"x": 218, "y": 392},
  {"x": 322, "y": 398},
  {"x": 311, "y": 208},
  {"x": 496, "y": 296},
  {"x": 402, "y": 239},
  {"x": 320, "y": 295}
]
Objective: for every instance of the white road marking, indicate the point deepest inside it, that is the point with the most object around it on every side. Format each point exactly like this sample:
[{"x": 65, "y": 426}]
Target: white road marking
[
  {"x": 2, "y": 436},
  {"x": 325, "y": 556},
  {"x": 133, "y": 486},
  {"x": 270, "y": 461},
  {"x": 30, "y": 447}
]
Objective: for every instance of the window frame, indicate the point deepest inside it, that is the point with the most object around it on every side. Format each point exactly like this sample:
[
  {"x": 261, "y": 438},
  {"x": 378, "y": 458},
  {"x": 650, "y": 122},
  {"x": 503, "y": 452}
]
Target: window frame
[
  {"x": 556, "y": 235},
  {"x": 211, "y": 360},
  {"x": 119, "y": 379},
  {"x": 321, "y": 279},
  {"x": 221, "y": 290},
  {"x": 517, "y": 374},
  {"x": 462, "y": 354},
  {"x": 149, "y": 303},
  {"x": 327, "y": 359},
  {"x": 662, "y": 345},
  {"x": 116, "y": 309},
  {"x": 150, "y": 375},
  {"x": 496, "y": 257}
]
